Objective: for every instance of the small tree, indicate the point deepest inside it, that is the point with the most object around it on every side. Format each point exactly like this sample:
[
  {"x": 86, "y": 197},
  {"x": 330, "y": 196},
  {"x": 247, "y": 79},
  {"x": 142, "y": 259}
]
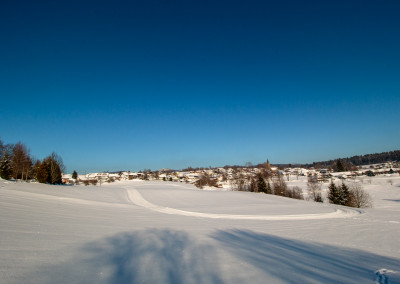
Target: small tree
[
  {"x": 296, "y": 193},
  {"x": 5, "y": 167},
  {"x": 344, "y": 198},
  {"x": 339, "y": 167},
  {"x": 279, "y": 185},
  {"x": 314, "y": 189},
  {"x": 261, "y": 185},
  {"x": 74, "y": 175},
  {"x": 54, "y": 169},
  {"x": 42, "y": 172},
  {"x": 358, "y": 197},
  {"x": 333, "y": 194},
  {"x": 21, "y": 161}
]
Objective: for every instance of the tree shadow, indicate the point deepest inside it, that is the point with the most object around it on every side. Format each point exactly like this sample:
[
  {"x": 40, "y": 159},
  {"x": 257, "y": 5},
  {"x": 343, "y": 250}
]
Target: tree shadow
[
  {"x": 235, "y": 256},
  {"x": 149, "y": 256},
  {"x": 293, "y": 261},
  {"x": 393, "y": 200}
]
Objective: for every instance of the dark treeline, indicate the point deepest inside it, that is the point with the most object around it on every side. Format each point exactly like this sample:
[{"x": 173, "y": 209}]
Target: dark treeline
[
  {"x": 348, "y": 163},
  {"x": 367, "y": 159},
  {"x": 17, "y": 163}
]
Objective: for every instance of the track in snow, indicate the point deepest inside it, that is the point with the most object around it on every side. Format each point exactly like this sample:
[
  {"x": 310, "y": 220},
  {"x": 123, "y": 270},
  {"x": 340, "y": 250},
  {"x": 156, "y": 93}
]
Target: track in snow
[{"x": 136, "y": 198}]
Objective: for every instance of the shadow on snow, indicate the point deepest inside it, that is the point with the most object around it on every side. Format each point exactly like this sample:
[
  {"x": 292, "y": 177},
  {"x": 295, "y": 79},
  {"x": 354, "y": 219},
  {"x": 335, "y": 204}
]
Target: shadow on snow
[
  {"x": 294, "y": 261},
  {"x": 149, "y": 256},
  {"x": 235, "y": 256}
]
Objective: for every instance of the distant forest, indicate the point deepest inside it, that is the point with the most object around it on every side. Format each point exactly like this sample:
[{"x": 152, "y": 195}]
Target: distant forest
[{"x": 362, "y": 160}]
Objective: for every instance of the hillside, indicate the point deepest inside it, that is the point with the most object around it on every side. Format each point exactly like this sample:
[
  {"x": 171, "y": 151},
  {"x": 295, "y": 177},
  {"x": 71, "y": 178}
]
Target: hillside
[{"x": 160, "y": 232}]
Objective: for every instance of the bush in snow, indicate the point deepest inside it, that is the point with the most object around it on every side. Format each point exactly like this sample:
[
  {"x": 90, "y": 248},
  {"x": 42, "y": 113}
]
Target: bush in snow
[
  {"x": 295, "y": 192},
  {"x": 314, "y": 189},
  {"x": 359, "y": 198},
  {"x": 279, "y": 186},
  {"x": 204, "y": 180}
]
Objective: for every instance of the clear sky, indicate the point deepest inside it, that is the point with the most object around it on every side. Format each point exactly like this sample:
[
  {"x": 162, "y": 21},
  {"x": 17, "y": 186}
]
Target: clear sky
[{"x": 129, "y": 85}]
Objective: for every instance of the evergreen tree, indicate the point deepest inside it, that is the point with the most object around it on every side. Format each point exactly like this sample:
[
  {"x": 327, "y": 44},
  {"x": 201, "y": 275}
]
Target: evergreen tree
[
  {"x": 54, "y": 174},
  {"x": 339, "y": 195},
  {"x": 74, "y": 175},
  {"x": 344, "y": 195},
  {"x": 333, "y": 194},
  {"x": 42, "y": 172},
  {"x": 5, "y": 167},
  {"x": 339, "y": 166},
  {"x": 261, "y": 185}
]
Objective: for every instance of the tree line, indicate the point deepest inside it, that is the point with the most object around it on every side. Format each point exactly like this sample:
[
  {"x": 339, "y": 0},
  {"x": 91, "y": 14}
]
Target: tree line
[
  {"x": 362, "y": 160},
  {"x": 17, "y": 163}
]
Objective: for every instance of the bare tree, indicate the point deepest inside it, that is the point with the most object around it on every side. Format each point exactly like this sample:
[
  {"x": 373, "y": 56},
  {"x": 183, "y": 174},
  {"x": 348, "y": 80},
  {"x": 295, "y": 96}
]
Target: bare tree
[
  {"x": 21, "y": 161},
  {"x": 295, "y": 192},
  {"x": 314, "y": 189},
  {"x": 359, "y": 198},
  {"x": 279, "y": 186},
  {"x": 239, "y": 181},
  {"x": 298, "y": 193}
]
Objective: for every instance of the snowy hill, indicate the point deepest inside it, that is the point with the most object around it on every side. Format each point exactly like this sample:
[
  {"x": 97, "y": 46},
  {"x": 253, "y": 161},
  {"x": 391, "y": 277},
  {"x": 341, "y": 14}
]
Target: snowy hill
[{"x": 159, "y": 232}]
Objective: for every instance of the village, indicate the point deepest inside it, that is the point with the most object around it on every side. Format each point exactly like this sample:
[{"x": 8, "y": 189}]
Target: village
[{"x": 226, "y": 177}]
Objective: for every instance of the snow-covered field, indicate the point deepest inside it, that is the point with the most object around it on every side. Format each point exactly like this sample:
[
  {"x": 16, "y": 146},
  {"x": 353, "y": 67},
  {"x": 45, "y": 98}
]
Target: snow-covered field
[{"x": 161, "y": 232}]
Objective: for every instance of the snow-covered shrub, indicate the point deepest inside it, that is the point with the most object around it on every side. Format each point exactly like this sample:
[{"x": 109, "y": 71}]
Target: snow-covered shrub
[{"x": 359, "y": 198}]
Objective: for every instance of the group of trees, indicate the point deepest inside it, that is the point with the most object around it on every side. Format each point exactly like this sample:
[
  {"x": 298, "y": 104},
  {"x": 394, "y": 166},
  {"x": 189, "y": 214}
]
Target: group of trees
[
  {"x": 206, "y": 180},
  {"x": 17, "y": 163},
  {"x": 354, "y": 196},
  {"x": 265, "y": 182}
]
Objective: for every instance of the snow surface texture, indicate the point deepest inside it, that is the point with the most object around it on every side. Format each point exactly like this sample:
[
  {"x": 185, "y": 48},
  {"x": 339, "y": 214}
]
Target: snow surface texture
[{"x": 161, "y": 232}]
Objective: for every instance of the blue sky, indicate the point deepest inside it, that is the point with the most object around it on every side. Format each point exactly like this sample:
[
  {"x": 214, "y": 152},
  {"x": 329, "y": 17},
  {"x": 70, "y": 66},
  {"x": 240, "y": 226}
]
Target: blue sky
[{"x": 129, "y": 85}]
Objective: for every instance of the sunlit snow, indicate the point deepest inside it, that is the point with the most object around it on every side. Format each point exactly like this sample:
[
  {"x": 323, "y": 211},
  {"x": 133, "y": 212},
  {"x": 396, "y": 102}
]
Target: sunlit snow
[{"x": 164, "y": 232}]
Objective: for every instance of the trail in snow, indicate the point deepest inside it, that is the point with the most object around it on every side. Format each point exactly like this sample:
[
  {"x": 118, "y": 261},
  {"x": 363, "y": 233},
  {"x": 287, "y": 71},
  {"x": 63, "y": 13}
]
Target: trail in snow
[{"x": 136, "y": 198}]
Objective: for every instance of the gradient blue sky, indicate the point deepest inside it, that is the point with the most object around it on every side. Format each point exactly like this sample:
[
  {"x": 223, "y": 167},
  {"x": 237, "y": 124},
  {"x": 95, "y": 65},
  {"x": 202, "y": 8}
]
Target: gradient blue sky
[{"x": 128, "y": 85}]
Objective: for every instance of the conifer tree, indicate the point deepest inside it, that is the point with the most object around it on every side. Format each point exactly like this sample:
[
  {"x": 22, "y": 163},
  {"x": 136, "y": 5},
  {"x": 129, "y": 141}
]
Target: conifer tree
[
  {"x": 344, "y": 195},
  {"x": 261, "y": 185},
  {"x": 42, "y": 172},
  {"x": 54, "y": 164},
  {"x": 74, "y": 175},
  {"x": 5, "y": 167},
  {"x": 333, "y": 194},
  {"x": 339, "y": 166}
]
